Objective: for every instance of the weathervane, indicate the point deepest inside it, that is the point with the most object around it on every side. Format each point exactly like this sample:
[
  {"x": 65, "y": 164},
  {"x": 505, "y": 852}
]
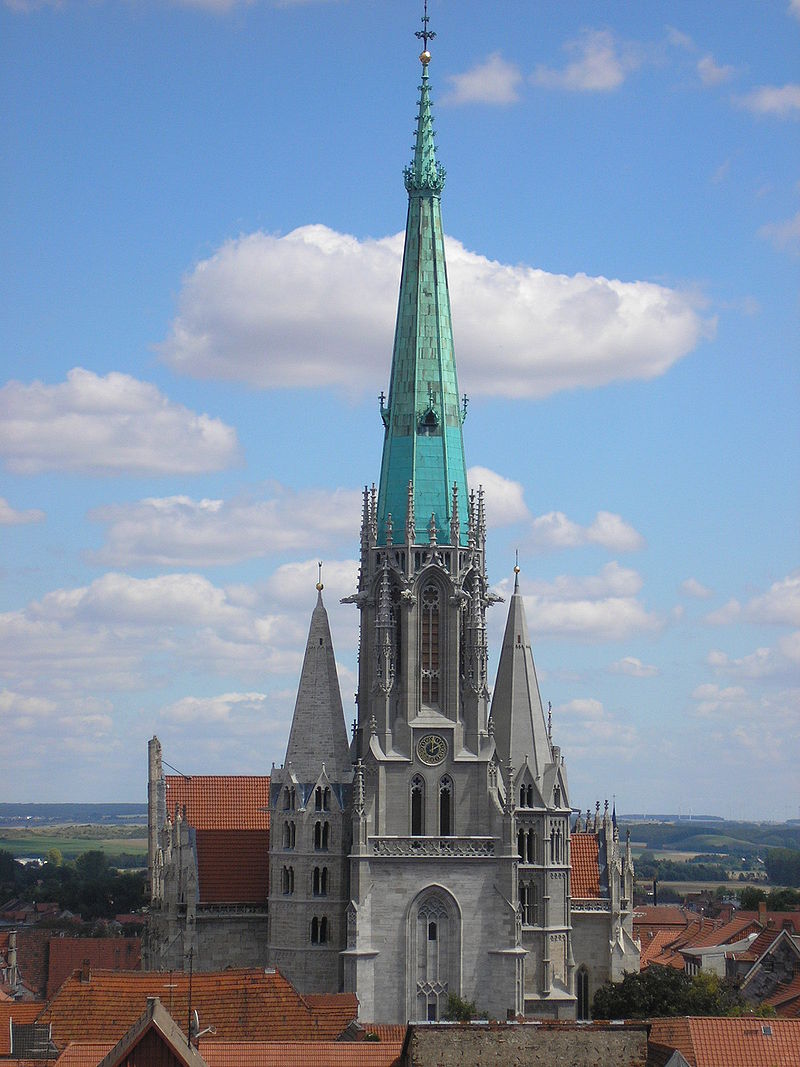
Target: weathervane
[{"x": 425, "y": 34}]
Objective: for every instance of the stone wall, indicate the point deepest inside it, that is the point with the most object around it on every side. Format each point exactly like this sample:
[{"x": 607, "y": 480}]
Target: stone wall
[{"x": 534, "y": 1045}]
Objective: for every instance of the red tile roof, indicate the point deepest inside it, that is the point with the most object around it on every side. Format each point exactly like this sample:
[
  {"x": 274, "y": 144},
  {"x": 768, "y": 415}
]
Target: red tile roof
[
  {"x": 233, "y": 866},
  {"x": 243, "y": 1005},
  {"x": 21, "y": 1011},
  {"x": 333, "y": 1012},
  {"x": 82, "y": 1054},
  {"x": 786, "y": 1000},
  {"x": 735, "y": 1042},
  {"x": 386, "y": 1031},
  {"x": 302, "y": 1053},
  {"x": 111, "y": 953},
  {"x": 659, "y": 916},
  {"x": 221, "y": 801},
  {"x": 735, "y": 930},
  {"x": 584, "y": 851}
]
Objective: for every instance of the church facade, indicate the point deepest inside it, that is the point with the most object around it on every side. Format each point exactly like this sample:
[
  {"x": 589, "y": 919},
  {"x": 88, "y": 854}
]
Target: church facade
[{"x": 434, "y": 854}]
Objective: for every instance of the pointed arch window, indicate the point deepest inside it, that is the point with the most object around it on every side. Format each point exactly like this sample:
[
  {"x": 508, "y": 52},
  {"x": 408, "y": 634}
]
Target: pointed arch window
[
  {"x": 417, "y": 806},
  {"x": 287, "y": 880},
  {"x": 446, "y": 806},
  {"x": 322, "y": 836},
  {"x": 289, "y": 834},
  {"x": 429, "y": 643},
  {"x": 319, "y": 930},
  {"x": 319, "y": 882}
]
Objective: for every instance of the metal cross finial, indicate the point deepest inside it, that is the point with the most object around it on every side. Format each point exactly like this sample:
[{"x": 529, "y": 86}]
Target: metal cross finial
[
  {"x": 319, "y": 577},
  {"x": 425, "y": 34}
]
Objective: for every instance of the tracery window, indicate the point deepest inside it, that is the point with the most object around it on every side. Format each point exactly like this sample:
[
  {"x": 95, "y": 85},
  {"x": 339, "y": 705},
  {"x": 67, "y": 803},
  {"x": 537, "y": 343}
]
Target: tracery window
[
  {"x": 429, "y": 644},
  {"x": 529, "y": 903},
  {"x": 582, "y": 992}
]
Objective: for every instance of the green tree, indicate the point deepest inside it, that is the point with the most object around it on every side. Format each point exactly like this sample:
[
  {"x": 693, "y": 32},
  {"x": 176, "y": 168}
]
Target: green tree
[
  {"x": 783, "y": 866},
  {"x": 54, "y": 857},
  {"x": 750, "y": 897},
  {"x": 664, "y": 991},
  {"x": 460, "y": 1010}
]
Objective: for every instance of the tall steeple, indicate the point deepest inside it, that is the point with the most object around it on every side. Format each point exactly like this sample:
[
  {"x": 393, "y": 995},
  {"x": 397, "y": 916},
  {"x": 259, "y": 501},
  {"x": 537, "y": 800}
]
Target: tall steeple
[
  {"x": 318, "y": 735},
  {"x": 520, "y": 729},
  {"x": 423, "y": 445}
]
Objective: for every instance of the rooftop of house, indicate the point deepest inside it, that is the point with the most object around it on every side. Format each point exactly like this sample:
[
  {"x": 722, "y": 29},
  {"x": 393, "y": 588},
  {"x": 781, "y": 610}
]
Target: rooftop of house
[
  {"x": 731, "y": 1042},
  {"x": 110, "y": 953},
  {"x": 233, "y": 866},
  {"x": 247, "y": 1004},
  {"x": 585, "y": 852},
  {"x": 220, "y": 801},
  {"x": 302, "y": 1054}
]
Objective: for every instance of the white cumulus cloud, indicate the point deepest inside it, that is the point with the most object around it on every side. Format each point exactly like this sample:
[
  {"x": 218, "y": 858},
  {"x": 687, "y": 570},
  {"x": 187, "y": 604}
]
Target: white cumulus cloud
[
  {"x": 600, "y": 64},
  {"x": 783, "y": 235},
  {"x": 692, "y": 587},
  {"x": 11, "y": 517},
  {"x": 778, "y": 606},
  {"x": 179, "y": 531},
  {"x": 505, "y": 503},
  {"x": 599, "y": 607},
  {"x": 279, "y": 312},
  {"x": 107, "y": 425},
  {"x": 783, "y": 101},
  {"x": 712, "y": 73},
  {"x": 554, "y": 531},
  {"x": 634, "y": 668},
  {"x": 495, "y": 81}
]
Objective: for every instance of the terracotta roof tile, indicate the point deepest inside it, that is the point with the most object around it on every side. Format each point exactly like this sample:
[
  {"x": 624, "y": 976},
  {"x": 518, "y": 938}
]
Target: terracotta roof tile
[
  {"x": 233, "y": 866},
  {"x": 786, "y": 1000},
  {"x": 302, "y": 1054},
  {"x": 734, "y": 930},
  {"x": 657, "y": 916},
  {"x": 244, "y": 1005},
  {"x": 735, "y": 1042},
  {"x": 221, "y": 801},
  {"x": 386, "y": 1032},
  {"x": 83, "y": 1054},
  {"x": 111, "y": 953},
  {"x": 20, "y": 1011},
  {"x": 333, "y": 1012},
  {"x": 584, "y": 853}
]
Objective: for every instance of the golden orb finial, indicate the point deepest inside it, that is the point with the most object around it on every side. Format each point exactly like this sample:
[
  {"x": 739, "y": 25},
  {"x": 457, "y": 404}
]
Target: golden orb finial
[
  {"x": 425, "y": 57},
  {"x": 517, "y": 569}
]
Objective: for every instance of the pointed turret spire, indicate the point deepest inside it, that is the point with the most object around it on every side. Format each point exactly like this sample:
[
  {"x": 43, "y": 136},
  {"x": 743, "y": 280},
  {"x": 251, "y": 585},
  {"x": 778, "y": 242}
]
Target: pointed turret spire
[
  {"x": 318, "y": 734},
  {"x": 519, "y": 722},
  {"x": 423, "y": 415}
]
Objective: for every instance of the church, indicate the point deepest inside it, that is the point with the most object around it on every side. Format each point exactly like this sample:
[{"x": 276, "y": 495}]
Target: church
[{"x": 434, "y": 854}]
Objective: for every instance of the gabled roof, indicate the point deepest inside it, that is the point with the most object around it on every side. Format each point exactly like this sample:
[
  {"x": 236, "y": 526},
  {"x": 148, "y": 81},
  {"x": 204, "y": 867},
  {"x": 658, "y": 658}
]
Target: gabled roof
[
  {"x": 786, "y": 999},
  {"x": 246, "y": 1004},
  {"x": 233, "y": 866},
  {"x": 302, "y": 1054},
  {"x": 154, "y": 1037},
  {"x": 731, "y": 1042},
  {"x": 729, "y": 932},
  {"x": 584, "y": 855},
  {"x": 221, "y": 801}
]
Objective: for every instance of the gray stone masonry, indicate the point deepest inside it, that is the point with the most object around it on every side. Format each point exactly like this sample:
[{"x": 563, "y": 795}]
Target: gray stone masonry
[{"x": 527, "y": 1045}]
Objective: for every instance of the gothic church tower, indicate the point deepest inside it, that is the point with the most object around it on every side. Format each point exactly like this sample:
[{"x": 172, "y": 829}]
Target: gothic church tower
[{"x": 434, "y": 872}]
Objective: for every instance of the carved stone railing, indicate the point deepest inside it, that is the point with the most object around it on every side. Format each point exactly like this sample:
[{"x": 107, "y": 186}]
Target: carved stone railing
[
  {"x": 590, "y": 905},
  {"x": 432, "y": 846}
]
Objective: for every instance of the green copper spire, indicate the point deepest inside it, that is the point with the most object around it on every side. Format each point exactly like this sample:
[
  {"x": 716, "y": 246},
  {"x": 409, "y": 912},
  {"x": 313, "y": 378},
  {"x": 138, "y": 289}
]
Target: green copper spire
[{"x": 423, "y": 443}]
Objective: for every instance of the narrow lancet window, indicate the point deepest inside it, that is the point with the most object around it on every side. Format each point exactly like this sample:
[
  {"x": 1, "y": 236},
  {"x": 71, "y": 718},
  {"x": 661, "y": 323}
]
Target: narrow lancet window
[
  {"x": 429, "y": 641},
  {"x": 417, "y": 806},
  {"x": 446, "y": 806}
]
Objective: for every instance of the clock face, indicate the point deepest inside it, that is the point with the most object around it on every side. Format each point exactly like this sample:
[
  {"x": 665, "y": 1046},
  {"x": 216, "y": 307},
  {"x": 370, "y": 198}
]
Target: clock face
[{"x": 432, "y": 749}]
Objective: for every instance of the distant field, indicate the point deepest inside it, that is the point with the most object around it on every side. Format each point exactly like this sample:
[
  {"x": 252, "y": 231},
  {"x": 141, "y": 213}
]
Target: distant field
[
  {"x": 703, "y": 887},
  {"x": 71, "y": 841}
]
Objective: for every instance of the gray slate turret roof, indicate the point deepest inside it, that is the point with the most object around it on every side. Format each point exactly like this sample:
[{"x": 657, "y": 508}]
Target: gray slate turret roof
[
  {"x": 318, "y": 735},
  {"x": 520, "y": 729}
]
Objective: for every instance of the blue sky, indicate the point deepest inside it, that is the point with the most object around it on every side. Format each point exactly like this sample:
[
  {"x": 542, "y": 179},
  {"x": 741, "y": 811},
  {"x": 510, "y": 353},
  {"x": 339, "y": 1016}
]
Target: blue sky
[{"x": 201, "y": 210}]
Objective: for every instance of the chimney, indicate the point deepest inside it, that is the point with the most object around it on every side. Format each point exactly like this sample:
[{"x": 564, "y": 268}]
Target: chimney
[
  {"x": 762, "y": 912},
  {"x": 86, "y": 970}
]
